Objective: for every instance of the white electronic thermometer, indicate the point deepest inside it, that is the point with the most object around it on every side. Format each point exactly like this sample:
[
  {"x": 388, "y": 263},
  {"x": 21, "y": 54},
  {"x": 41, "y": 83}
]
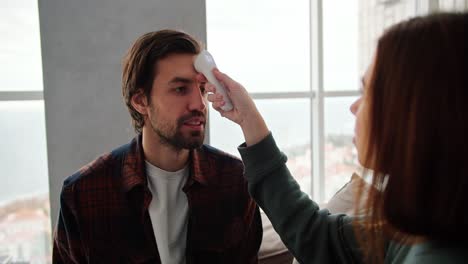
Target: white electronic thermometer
[{"x": 204, "y": 63}]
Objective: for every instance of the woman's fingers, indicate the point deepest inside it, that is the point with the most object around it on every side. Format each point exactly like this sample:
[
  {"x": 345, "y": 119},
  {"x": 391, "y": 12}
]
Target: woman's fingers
[
  {"x": 215, "y": 98},
  {"x": 210, "y": 88},
  {"x": 225, "y": 80},
  {"x": 217, "y": 105}
]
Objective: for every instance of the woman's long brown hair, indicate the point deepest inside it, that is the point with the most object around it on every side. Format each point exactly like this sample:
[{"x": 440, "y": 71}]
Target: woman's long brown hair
[{"x": 418, "y": 134}]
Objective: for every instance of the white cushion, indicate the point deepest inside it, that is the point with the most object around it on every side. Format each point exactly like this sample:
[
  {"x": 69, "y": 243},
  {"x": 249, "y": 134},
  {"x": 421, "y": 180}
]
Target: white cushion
[{"x": 344, "y": 201}]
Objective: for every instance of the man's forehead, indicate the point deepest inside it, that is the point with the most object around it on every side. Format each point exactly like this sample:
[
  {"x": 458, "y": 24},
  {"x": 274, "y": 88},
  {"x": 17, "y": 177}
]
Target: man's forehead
[
  {"x": 176, "y": 60},
  {"x": 178, "y": 66}
]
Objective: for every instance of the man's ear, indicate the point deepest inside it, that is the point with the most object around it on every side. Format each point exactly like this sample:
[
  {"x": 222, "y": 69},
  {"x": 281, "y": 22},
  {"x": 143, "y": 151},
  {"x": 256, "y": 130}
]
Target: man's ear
[{"x": 140, "y": 102}]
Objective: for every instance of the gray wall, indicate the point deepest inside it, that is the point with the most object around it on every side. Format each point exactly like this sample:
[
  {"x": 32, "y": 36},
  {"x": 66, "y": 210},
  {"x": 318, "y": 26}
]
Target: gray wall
[{"x": 83, "y": 43}]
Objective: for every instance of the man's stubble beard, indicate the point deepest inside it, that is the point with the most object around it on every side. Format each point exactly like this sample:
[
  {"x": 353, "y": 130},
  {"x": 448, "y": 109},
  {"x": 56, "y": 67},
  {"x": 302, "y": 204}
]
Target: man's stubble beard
[{"x": 173, "y": 137}]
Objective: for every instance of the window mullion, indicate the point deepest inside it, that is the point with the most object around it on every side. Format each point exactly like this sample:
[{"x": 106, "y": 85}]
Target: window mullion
[
  {"x": 426, "y": 6},
  {"x": 317, "y": 106},
  {"x": 283, "y": 95},
  {"x": 21, "y": 95}
]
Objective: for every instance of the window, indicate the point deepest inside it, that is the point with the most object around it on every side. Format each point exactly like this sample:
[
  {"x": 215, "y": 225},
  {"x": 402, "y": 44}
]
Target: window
[
  {"x": 25, "y": 229},
  {"x": 450, "y": 5},
  {"x": 265, "y": 46},
  {"x": 302, "y": 63}
]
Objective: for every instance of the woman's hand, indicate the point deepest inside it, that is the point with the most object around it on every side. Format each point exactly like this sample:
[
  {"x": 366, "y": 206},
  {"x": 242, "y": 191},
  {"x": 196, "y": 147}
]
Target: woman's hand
[{"x": 244, "y": 111}]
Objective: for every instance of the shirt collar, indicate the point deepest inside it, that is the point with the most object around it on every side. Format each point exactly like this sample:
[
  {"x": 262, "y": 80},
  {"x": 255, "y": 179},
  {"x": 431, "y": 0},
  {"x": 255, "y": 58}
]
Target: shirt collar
[
  {"x": 133, "y": 165},
  {"x": 134, "y": 172},
  {"x": 200, "y": 166}
]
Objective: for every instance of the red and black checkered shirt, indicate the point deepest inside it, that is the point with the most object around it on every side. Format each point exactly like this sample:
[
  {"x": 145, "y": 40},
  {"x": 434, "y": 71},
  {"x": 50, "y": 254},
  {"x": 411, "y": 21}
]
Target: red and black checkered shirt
[{"x": 104, "y": 214}]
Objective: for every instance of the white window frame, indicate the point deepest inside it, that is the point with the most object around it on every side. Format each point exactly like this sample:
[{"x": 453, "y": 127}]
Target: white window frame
[
  {"x": 317, "y": 94},
  {"x": 21, "y": 96}
]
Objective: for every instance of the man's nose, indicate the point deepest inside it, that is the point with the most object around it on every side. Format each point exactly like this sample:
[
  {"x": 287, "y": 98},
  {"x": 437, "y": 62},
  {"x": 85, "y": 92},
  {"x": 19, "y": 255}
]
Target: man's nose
[{"x": 197, "y": 100}]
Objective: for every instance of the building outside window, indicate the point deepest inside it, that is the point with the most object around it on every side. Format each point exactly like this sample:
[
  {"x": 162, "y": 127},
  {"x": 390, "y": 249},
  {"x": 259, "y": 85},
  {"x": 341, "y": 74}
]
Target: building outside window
[{"x": 25, "y": 229}]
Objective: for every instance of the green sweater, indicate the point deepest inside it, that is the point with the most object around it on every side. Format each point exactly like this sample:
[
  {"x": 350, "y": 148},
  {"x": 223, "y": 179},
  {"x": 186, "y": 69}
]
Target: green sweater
[{"x": 313, "y": 235}]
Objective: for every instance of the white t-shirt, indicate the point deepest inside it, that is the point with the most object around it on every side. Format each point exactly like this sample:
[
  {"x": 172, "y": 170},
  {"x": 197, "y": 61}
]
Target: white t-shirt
[{"x": 168, "y": 211}]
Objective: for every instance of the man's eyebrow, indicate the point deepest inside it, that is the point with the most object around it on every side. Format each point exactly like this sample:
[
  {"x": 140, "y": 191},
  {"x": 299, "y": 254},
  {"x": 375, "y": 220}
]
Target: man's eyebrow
[{"x": 180, "y": 80}]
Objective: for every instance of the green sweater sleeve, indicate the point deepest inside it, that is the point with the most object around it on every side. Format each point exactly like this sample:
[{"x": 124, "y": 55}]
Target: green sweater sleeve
[{"x": 312, "y": 235}]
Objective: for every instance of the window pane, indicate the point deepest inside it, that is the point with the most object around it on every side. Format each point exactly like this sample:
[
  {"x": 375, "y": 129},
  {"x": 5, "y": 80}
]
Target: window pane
[
  {"x": 340, "y": 45},
  {"x": 453, "y": 5},
  {"x": 262, "y": 44},
  {"x": 374, "y": 18},
  {"x": 25, "y": 233},
  {"x": 20, "y": 49},
  {"x": 340, "y": 154},
  {"x": 289, "y": 121},
  {"x": 350, "y": 32}
]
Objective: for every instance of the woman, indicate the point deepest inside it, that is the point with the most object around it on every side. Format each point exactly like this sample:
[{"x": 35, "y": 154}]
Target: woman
[{"x": 411, "y": 130}]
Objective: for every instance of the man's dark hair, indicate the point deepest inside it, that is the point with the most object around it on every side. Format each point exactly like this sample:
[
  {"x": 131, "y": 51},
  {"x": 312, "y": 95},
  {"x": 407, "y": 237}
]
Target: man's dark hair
[{"x": 140, "y": 64}]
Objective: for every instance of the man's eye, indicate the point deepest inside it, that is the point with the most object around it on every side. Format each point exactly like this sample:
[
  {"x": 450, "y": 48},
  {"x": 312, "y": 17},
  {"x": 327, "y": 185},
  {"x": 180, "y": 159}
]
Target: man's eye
[
  {"x": 180, "y": 90},
  {"x": 202, "y": 89}
]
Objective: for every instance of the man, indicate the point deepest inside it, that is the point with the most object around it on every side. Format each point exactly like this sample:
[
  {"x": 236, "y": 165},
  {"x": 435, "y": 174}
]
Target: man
[{"x": 164, "y": 197}]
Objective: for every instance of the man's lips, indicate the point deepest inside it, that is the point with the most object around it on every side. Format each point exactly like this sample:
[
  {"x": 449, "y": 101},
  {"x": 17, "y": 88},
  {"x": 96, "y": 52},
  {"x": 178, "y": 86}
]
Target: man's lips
[{"x": 196, "y": 123}]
